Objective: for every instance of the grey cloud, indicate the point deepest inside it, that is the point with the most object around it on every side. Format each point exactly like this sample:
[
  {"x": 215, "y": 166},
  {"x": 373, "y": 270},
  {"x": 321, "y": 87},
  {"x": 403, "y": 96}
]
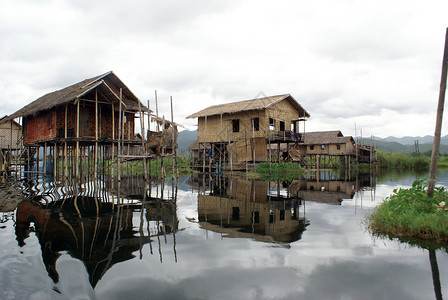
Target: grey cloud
[{"x": 141, "y": 16}]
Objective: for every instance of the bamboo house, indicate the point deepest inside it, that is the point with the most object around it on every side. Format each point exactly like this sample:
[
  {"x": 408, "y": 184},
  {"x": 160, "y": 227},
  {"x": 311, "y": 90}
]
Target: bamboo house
[
  {"x": 241, "y": 131},
  {"x": 90, "y": 118},
  {"x": 269, "y": 129}
]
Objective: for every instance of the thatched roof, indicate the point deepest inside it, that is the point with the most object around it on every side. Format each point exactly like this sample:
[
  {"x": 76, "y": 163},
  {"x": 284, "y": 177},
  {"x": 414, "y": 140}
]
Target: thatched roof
[
  {"x": 5, "y": 119},
  {"x": 247, "y": 105},
  {"x": 326, "y": 137},
  {"x": 102, "y": 82}
]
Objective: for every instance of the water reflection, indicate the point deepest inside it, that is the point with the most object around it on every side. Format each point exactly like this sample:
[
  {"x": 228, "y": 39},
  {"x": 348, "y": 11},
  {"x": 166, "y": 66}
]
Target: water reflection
[
  {"x": 117, "y": 240},
  {"x": 100, "y": 223},
  {"x": 268, "y": 211}
]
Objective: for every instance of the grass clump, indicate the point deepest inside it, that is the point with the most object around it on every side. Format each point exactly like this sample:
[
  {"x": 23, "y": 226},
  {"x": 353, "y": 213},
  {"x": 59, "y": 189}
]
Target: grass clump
[
  {"x": 284, "y": 171},
  {"x": 411, "y": 214},
  {"x": 398, "y": 160}
]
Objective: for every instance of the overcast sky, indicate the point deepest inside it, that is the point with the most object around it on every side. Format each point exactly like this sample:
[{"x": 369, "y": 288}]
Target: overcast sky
[{"x": 373, "y": 63}]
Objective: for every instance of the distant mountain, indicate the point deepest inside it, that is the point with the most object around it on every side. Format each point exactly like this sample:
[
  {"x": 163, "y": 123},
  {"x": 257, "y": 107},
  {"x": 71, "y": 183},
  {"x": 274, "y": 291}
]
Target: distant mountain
[
  {"x": 409, "y": 140},
  {"x": 398, "y": 147},
  {"x": 389, "y": 144},
  {"x": 185, "y": 138}
]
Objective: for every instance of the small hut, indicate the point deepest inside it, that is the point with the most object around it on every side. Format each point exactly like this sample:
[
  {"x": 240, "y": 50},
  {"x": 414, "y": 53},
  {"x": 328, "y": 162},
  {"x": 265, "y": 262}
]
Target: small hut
[
  {"x": 86, "y": 110},
  {"x": 96, "y": 115}
]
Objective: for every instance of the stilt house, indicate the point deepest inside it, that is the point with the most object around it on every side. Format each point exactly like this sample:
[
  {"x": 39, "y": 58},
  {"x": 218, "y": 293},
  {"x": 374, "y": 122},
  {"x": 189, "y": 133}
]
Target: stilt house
[
  {"x": 87, "y": 111},
  {"x": 241, "y": 131}
]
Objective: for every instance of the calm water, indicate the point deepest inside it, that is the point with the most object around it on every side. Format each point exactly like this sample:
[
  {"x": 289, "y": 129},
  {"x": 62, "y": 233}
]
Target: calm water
[{"x": 208, "y": 238}]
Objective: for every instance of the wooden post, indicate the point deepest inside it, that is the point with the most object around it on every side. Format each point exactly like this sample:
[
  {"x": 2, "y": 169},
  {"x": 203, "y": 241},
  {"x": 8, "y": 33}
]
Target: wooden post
[
  {"x": 147, "y": 139},
  {"x": 157, "y": 112},
  {"x": 45, "y": 160},
  {"x": 436, "y": 144},
  {"x": 230, "y": 150},
  {"x": 204, "y": 156},
  {"x": 11, "y": 147},
  {"x": 77, "y": 139},
  {"x": 119, "y": 137},
  {"x": 220, "y": 142},
  {"x": 37, "y": 162},
  {"x": 55, "y": 161},
  {"x": 113, "y": 140},
  {"x": 142, "y": 127},
  {"x": 174, "y": 150},
  {"x": 253, "y": 141},
  {"x": 65, "y": 145},
  {"x": 245, "y": 140},
  {"x": 278, "y": 152},
  {"x": 96, "y": 136}
]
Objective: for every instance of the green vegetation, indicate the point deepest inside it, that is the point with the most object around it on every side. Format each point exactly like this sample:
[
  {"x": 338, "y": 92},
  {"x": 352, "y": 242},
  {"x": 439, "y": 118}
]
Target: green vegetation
[
  {"x": 409, "y": 214},
  {"x": 399, "y": 160},
  {"x": 442, "y": 162},
  {"x": 284, "y": 171}
]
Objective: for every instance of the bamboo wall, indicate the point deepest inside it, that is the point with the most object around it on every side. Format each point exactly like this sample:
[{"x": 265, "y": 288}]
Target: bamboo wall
[
  {"x": 329, "y": 149},
  {"x": 282, "y": 111},
  {"x": 5, "y": 135}
]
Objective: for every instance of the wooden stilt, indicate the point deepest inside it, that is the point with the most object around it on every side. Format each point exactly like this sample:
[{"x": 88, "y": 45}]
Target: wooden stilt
[
  {"x": 142, "y": 128},
  {"x": 77, "y": 139},
  {"x": 45, "y": 160},
  {"x": 113, "y": 141},
  {"x": 230, "y": 150},
  {"x": 65, "y": 145},
  {"x": 96, "y": 136},
  {"x": 119, "y": 137},
  {"x": 174, "y": 146}
]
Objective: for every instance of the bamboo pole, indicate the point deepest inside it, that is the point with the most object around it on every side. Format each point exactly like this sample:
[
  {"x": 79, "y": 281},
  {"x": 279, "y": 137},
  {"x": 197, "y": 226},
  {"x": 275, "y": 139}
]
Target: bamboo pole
[
  {"x": 230, "y": 150},
  {"x": 157, "y": 112},
  {"x": 113, "y": 140},
  {"x": 77, "y": 139},
  {"x": 55, "y": 161},
  {"x": 65, "y": 145},
  {"x": 174, "y": 149},
  {"x": 220, "y": 143},
  {"x": 37, "y": 161},
  {"x": 142, "y": 127},
  {"x": 45, "y": 160},
  {"x": 119, "y": 137},
  {"x": 203, "y": 161},
  {"x": 437, "y": 133},
  {"x": 96, "y": 136},
  {"x": 147, "y": 137}
]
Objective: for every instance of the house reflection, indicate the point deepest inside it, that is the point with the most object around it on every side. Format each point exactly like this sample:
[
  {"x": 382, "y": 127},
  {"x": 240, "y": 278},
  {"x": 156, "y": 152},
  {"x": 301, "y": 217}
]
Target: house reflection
[
  {"x": 100, "y": 233},
  {"x": 269, "y": 211},
  {"x": 240, "y": 208}
]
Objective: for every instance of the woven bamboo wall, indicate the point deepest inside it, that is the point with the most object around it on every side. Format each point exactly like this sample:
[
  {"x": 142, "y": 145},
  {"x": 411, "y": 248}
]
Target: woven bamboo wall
[
  {"x": 329, "y": 149},
  {"x": 5, "y": 135},
  {"x": 282, "y": 111}
]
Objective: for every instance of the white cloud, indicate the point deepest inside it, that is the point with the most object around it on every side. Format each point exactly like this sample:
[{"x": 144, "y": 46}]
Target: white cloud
[{"x": 373, "y": 63}]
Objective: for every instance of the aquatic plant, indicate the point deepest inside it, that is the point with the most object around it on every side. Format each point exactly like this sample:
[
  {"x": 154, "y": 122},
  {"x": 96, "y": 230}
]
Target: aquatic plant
[
  {"x": 398, "y": 160},
  {"x": 410, "y": 213}
]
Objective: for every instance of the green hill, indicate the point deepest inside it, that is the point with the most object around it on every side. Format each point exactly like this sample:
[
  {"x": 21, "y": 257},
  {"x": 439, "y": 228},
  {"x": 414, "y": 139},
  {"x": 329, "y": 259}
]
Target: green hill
[{"x": 390, "y": 147}]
